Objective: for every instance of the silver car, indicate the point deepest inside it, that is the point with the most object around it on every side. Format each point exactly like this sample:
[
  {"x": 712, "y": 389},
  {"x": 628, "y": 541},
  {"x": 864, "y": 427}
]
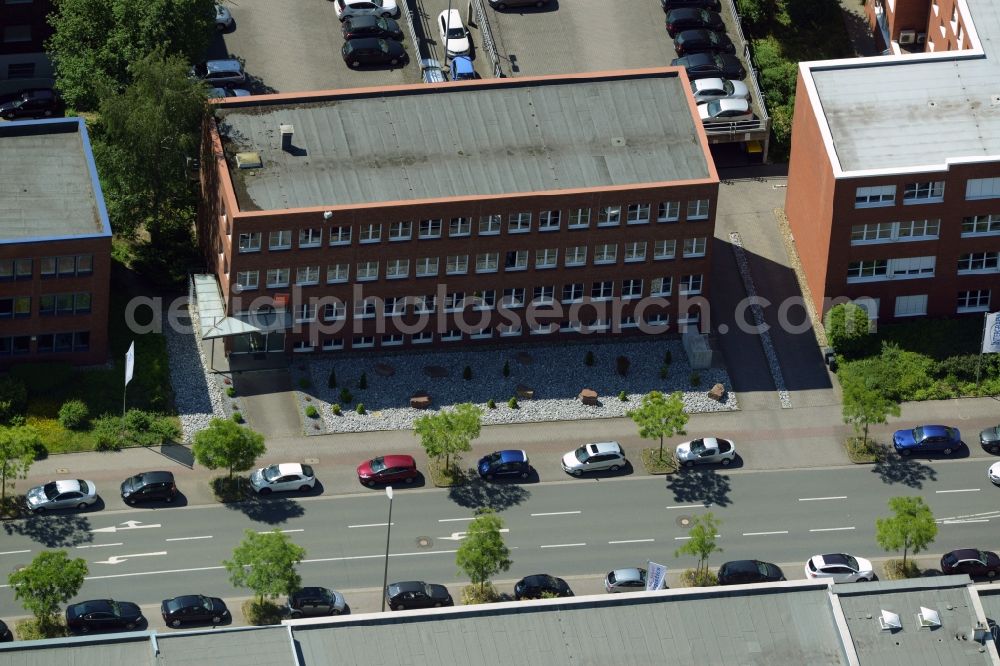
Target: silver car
[
  {"x": 64, "y": 494},
  {"x": 706, "y": 450},
  {"x": 708, "y": 90},
  {"x": 223, "y": 19},
  {"x": 594, "y": 457},
  {"x": 285, "y": 477},
  {"x": 625, "y": 580}
]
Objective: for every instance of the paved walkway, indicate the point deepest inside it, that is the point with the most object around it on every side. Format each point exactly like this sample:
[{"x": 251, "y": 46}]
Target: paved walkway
[{"x": 268, "y": 402}]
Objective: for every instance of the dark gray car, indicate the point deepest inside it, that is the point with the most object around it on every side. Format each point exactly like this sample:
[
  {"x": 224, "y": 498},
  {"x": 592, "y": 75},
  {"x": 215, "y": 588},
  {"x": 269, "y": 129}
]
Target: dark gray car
[{"x": 989, "y": 439}]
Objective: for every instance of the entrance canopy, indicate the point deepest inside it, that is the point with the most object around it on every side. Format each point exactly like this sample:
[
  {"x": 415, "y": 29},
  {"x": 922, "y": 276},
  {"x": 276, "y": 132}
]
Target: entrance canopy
[{"x": 214, "y": 323}]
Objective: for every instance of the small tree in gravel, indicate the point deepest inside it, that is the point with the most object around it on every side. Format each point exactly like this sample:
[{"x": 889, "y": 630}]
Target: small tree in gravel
[
  {"x": 225, "y": 445},
  {"x": 588, "y": 359},
  {"x": 346, "y": 396},
  {"x": 506, "y": 368},
  {"x": 449, "y": 432},
  {"x": 467, "y": 373},
  {"x": 659, "y": 416},
  {"x": 331, "y": 381},
  {"x": 363, "y": 382}
]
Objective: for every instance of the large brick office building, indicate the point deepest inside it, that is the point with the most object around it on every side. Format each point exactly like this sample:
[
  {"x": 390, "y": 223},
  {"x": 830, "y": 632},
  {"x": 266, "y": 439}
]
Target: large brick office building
[
  {"x": 55, "y": 245},
  {"x": 422, "y": 214},
  {"x": 24, "y": 28},
  {"x": 894, "y": 178}
]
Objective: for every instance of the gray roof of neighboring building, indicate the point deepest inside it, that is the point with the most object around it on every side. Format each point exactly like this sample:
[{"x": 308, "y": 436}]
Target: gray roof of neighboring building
[
  {"x": 990, "y": 598},
  {"x": 493, "y": 138},
  {"x": 134, "y": 650},
  {"x": 915, "y": 112},
  {"x": 266, "y": 646},
  {"x": 48, "y": 182}
]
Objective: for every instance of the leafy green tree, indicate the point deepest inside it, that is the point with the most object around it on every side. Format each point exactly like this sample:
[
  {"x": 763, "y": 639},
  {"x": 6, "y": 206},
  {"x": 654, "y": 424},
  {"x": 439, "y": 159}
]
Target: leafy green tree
[
  {"x": 659, "y": 416},
  {"x": 17, "y": 452},
  {"x": 226, "y": 445},
  {"x": 265, "y": 563},
  {"x": 49, "y": 581},
  {"x": 867, "y": 396},
  {"x": 483, "y": 553},
  {"x": 449, "y": 432},
  {"x": 847, "y": 327},
  {"x": 13, "y": 397},
  {"x": 757, "y": 11},
  {"x": 702, "y": 542},
  {"x": 911, "y": 527}
]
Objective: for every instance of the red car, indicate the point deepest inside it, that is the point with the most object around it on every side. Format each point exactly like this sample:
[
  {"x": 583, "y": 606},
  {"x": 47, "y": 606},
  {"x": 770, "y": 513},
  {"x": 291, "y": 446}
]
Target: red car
[{"x": 387, "y": 469}]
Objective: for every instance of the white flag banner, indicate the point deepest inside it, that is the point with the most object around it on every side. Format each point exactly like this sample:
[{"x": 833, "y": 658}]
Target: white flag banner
[
  {"x": 656, "y": 576},
  {"x": 129, "y": 363},
  {"x": 991, "y": 333}
]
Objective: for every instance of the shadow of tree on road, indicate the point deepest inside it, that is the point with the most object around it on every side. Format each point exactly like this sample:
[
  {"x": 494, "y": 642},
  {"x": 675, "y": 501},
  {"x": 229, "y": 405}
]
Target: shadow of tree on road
[
  {"x": 53, "y": 531},
  {"x": 894, "y": 469},
  {"x": 267, "y": 510},
  {"x": 476, "y": 493},
  {"x": 700, "y": 485}
]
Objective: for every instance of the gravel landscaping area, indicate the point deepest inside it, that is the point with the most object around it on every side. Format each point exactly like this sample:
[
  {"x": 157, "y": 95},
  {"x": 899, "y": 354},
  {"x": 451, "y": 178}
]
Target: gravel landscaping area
[{"x": 198, "y": 394}]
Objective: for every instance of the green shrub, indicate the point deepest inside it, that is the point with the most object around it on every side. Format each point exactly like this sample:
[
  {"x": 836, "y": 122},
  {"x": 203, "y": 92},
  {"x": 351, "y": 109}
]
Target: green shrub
[
  {"x": 108, "y": 433},
  {"x": 506, "y": 368},
  {"x": 13, "y": 397},
  {"x": 363, "y": 382},
  {"x": 231, "y": 391},
  {"x": 335, "y": 408},
  {"x": 73, "y": 414},
  {"x": 237, "y": 417},
  {"x": 467, "y": 373},
  {"x": 331, "y": 381},
  {"x": 360, "y": 409},
  {"x": 476, "y": 594},
  {"x": 144, "y": 428},
  {"x": 962, "y": 367},
  {"x": 664, "y": 372},
  {"x": 847, "y": 328},
  {"x": 346, "y": 396},
  {"x": 623, "y": 396},
  {"x": 261, "y": 613},
  {"x": 311, "y": 412},
  {"x": 512, "y": 403},
  {"x": 695, "y": 379},
  {"x": 695, "y": 578},
  {"x": 589, "y": 358},
  {"x": 491, "y": 404},
  {"x": 31, "y": 629},
  {"x": 304, "y": 383}
]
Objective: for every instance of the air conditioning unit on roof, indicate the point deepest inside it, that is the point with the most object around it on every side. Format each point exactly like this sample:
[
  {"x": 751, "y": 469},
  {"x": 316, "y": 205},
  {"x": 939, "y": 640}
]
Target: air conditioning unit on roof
[{"x": 907, "y": 36}]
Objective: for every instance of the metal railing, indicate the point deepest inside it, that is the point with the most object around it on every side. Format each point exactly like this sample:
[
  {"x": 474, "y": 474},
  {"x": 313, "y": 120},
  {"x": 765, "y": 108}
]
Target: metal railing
[
  {"x": 487, "y": 34},
  {"x": 430, "y": 68},
  {"x": 763, "y": 122}
]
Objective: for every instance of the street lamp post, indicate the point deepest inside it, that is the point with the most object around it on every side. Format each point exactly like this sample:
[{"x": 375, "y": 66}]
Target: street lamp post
[{"x": 388, "y": 531}]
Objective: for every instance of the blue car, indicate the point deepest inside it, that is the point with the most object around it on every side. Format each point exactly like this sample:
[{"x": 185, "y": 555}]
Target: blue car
[
  {"x": 939, "y": 438},
  {"x": 504, "y": 463}
]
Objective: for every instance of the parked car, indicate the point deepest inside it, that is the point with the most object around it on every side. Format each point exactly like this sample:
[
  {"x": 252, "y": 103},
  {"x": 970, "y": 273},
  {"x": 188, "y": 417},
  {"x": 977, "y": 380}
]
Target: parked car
[
  {"x": 412, "y": 594},
  {"x": 712, "y": 5},
  {"x": 62, "y": 494},
  {"x": 311, "y": 601},
  {"x": 533, "y": 587},
  {"x": 972, "y": 561},
  {"x": 703, "y": 41},
  {"x": 840, "y": 567},
  {"x": 706, "y": 450},
  {"x": 284, "y": 477},
  {"x": 690, "y": 18},
  {"x": 708, "y": 90},
  {"x": 994, "y": 473},
  {"x": 345, "y": 9},
  {"x": 594, "y": 457},
  {"x": 387, "y": 469},
  {"x": 193, "y": 608},
  {"x": 454, "y": 36},
  {"x": 220, "y": 72},
  {"x": 462, "y": 69},
  {"x": 371, "y": 51},
  {"x": 989, "y": 439},
  {"x": 40, "y": 103},
  {"x": 505, "y": 4},
  {"x": 369, "y": 25},
  {"x": 711, "y": 65},
  {"x": 927, "y": 438},
  {"x": 739, "y": 572},
  {"x": 725, "y": 111},
  {"x": 149, "y": 486},
  {"x": 218, "y": 93},
  {"x": 625, "y": 580},
  {"x": 510, "y": 462},
  {"x": 5, "y": 634},
  {"x": 100, "y": 614},
  {"x": 223, "y": 18}
]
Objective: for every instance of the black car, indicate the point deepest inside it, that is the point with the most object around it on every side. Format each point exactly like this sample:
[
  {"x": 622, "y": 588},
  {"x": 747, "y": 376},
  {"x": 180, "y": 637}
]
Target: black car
[
  {"x": 712, "y": 5},
  {"x": 149, "y": 486},
  {"x": 703, "y": 41},
  {"x": 5, "y": 634},
  {"x": 372, "y": 51},
  {"x": 989, "y": 439},
  {"x": 193, "y": 608},
  {"x": 31, "y": 104},
  {"x": 533, "y": 587},
  {"x": 417, "y": 594},
  {"x": 100, "y": 614},
  {"x": 315, "y": 601},
  {"x": 739, "y": 572},
  {"x": 971, "y": 561},
  {"x": 369, "y": 25},
  {"x": 711, "y": 66},
  {"x": 510, "y": 462},
  {"x": 679, "y": 20}
]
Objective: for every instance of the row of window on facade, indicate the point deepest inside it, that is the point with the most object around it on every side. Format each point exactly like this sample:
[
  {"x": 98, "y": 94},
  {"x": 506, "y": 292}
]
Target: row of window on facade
[
  {"x": 48, "y": 305},
  {"x": 923, "y": 192},
  {"x": 489, "y": 225},
  {"x": 970, "y": 263},
  {"x": 969, "y": 300},
  {"x": 487, "y": 262},
  {"x": 45, "y": 343},
  {"x": 919, "y": 230},
  {"x": 78, "y": 265}
]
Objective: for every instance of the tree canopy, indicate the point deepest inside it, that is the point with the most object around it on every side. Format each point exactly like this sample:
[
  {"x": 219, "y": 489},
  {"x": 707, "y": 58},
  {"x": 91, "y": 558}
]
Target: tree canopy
[
  {"x": 868, "y": 395},
  {"x": 17, "y": 452},
  {"x": 659, "y": 416},
  {"x": 701, "y": 543},
  {"x": 47, "y": 583},
  {"x": 265, "y": 563},
  {"x": 911, "y": 527},
  {"x": 847, "y": 327},
  {"x": 483, "y": 553},
  {"x": 449, "y": 432},
  {"x": 226, "y": 445}
]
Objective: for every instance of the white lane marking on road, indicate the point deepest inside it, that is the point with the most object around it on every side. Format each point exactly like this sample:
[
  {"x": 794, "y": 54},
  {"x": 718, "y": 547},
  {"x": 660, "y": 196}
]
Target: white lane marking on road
[
  {"x": 634, "y": 541},
  {"x": 556, "y": 513},
  {"x": 118, "y": 559},
  {"x": 960, "y": 490},
  {"x": 703, "y": 505},
  {"x": 97, "y": 545},
  {"x": 831, "y": 529},
  {"x": 818, "y": 499},
  {"x": 127, "y": 525},
  {"x": 765, "y": 533},
  {"x": 458, "y": 536},
  {"x": 563, "y": 545},
  {"x": 992, "y": 514},
  {"x": 453, "y": 520},
  {"x": 681, "y": 538},
  {"x": 14, "y": 552},
  {"x": 189, "y": 538},
  {"x": 967, "y": 520},
  {"x": 282, "y": 531},
  {"x": 351, "y": 527}
]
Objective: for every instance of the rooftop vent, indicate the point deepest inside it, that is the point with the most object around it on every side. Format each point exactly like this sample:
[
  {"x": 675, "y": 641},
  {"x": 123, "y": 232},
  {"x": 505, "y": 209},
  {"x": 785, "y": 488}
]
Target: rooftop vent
[
  {"x": 618, "y": 141},
  {"x": 248, "y": 161},
  {"x": 287, "y": 131},
  {"x": 889, "y": 621},
  {"x": 929, "y": 617}
]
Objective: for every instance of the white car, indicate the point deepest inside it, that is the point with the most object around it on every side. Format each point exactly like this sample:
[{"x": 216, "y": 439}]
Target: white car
[
  {"x": 840, "y": 567},
  {"x": 725, "y": 111},
  {"x": 62, "y": 494},
  {"x": 347, "y": 8},
  {"x": 709, "y": 90},
  {"x": 453, "y": 33},
  {"x": 706, "y": 450},
  {"x": 994, "y": 473},
  {"x": 594, "y": 457},
  {"x": 283, "y": 478}
]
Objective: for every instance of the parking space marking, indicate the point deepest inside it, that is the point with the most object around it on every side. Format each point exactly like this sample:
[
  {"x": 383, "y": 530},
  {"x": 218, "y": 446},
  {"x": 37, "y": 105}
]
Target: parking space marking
[
  {"x": 18, "y": 552},
  {"x": 959, "y": 490}
]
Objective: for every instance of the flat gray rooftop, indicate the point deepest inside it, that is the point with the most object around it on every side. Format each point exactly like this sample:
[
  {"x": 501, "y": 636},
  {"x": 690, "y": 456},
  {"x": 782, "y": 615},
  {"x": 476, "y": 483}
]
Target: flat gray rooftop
[
  {"x": 264, "y": 646},
  {"x": 47, "y": 186},
  {"x": 505, "y": 137}
]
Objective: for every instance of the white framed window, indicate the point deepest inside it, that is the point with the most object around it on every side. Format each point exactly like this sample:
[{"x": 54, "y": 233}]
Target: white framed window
[
  {"x": 981, "y": 225},
  {"x": 695, "y": 247},
  {"x": 333, "y": 344},
  {"x": 429, "y": 229},
  {"x": 489, "y": 225},
  {"x": 396, "y": 269},
  {"x": 392, "y": 340},
  {"x": 697, "y": 209},
  {"x": 366, "y": 308},
  {"x": 277, "y": 277},
  {"x": 661, "y": 286},
  {"x": 427, "y": 267},
  {"x": 572, "y": 293},
  {"x": 250, "y": 242},
  {"x": 629, "y": 322},
  {"x": 576, "y": 256},
  {"x": 401, "y": 231},
  {"x": 885, "y": 232},
  {"x": 609, "y": 216},
  {"x": 982, "y": 188},
  {"x": 543, "y": 295},
  {"x": 307, "y": 275},
  {"x": 599, "y": 324},
  {"x": 668, "y": 211},
  {"x": 927, "y": 192},
  {"x": 665, "y": 249},
  {"x": 974, "y": 300},
  {"x": 334, "y": 311},
  {"x": 340, "y": 235},
  {"x": 367, "y": 270},
  {"x": 568, "y": 326},
  {"x": 487, "y": 262},
  {"x": 548, "y": 220},
  {"x": 911, "y": 267},
  {"x": 516, "y": 260},
  {"x": 538, "y": 328},
  {"x": 370, "y": 233},
  {"x": 862, "y": 271},
  {"x": 454, "y": 301},
  {"x": 279, "y": 240},
  {"x": 338, "y": 273},
  {"x": 546, "y": 258},
  {"x": 659, "y": 319},
  {"x": 460, "y": 226},
  {"x": 452, "y": 335},
  {"x": 486, "y": 299},
  {"x": 605, "y": 253},
  {"x": 978, "y": 262},
  {"x": 914, "y": 230},
  {"x": 691, "y": 284},
  {"x": 635, "y": 251},
  {"x": 305, "y": 312},
  {"x": 301, "y": 347},
  {"x": 481, "y": 334},
  {"x": 631, "y": 288},
  {"x": 247, "y": 279},
  {"x": 425, "y": 304},
  {"x": 875, "y": 196},
  {"x": 513, "y": 297},
  {"x": 637, "y": 214},
  {"x": 363, "y": 342},
  {"x": 509, "y": 330},
  {"x": 579, "y": 218},
  {"x": 872, "y": 233},
  {"x": 911, "y": 306},
  {"x": 602, "y": 290},
  {"x": 394, "y": 306},
  {"x": 423, "y": 337},
  {"x": 519, "y": 223},
  {"x": 457, "y": 264},
  {"x": 310, "y": 238}
]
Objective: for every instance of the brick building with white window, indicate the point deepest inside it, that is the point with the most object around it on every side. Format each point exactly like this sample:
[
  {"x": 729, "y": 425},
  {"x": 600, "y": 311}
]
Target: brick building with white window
[
  {"x": 894, "y": 177},
  {"x": 482, "y": 211}
]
